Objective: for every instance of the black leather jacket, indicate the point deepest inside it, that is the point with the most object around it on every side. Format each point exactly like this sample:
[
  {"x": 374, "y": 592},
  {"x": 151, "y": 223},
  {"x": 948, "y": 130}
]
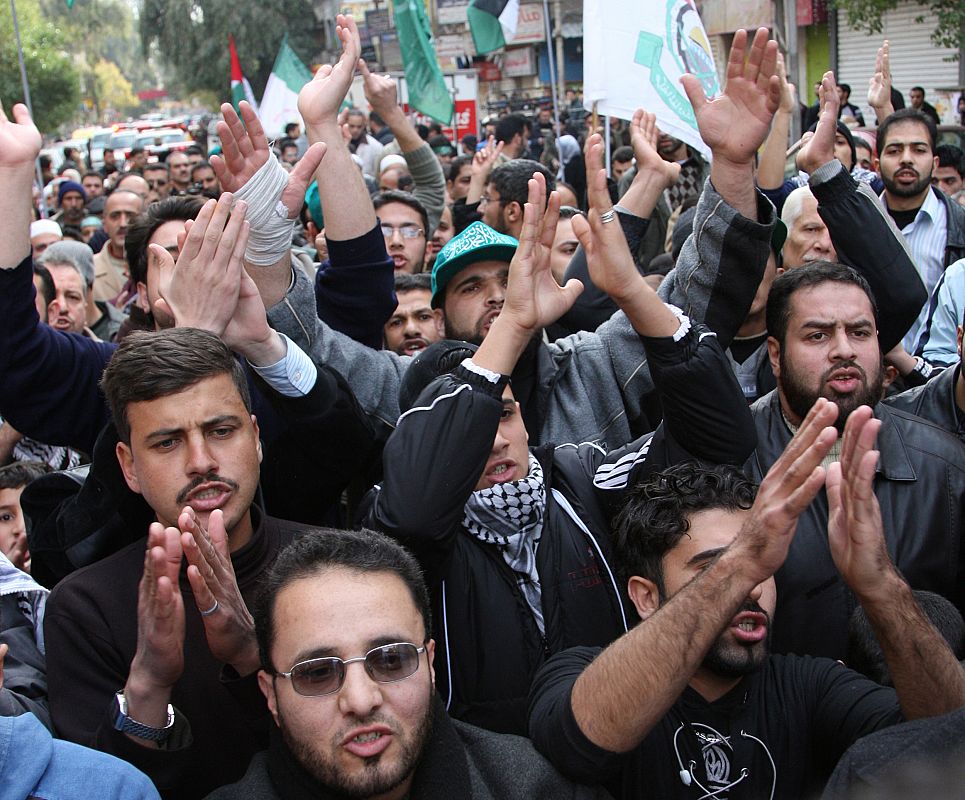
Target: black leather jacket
[
  {"x": 935, "y": 401},
  {"x": 920, "y": 486}
]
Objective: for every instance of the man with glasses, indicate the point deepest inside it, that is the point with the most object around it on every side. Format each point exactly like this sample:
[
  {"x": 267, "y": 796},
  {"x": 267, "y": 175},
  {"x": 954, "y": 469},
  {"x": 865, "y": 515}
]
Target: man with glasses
[
  {"x": 343, "y": 633},
  {"x": 404, "y": 223}
]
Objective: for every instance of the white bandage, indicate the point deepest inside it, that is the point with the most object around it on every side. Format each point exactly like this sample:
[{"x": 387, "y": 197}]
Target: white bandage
[{"x": 271, "y": 229}]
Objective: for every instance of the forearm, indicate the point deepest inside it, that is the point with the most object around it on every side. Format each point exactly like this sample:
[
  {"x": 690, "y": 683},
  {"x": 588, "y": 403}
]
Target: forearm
[
  {"x": 644, "y": 194},
  {"x": 345, "y": 200},
  {"x": 503, "y": 346},
  {"x": 273, "y": 280},
  {"x": 928, "y": 678},
  {"x": 406, "y": 135},
  {"x": 430, "y": 183},
  {"x": 15, "y": 215},
  {"x": 770, "y": 167},
  {"x": 628, "y": 689},
  {"x": 735, "y": 184},
  {"x": 648, "y": 314},
  {"x": 883, "y": 112}
]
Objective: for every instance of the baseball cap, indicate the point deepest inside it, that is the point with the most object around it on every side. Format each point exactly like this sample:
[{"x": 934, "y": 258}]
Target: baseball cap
[{"x": 477, "y": 243}]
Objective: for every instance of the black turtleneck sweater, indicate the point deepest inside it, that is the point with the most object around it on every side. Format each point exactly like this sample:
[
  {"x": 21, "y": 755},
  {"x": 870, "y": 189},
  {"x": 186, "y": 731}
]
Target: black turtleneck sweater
[{"x": 91, "y": 635}]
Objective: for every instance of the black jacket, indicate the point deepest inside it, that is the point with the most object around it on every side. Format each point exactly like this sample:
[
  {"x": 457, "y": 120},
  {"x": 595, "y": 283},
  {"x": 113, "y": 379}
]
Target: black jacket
[
  {"x": 955, "y": 215},
  {"x": 935, "y": 401},
  {"x": 488, "y": 646},
  {"x": 920, "y": 485}
]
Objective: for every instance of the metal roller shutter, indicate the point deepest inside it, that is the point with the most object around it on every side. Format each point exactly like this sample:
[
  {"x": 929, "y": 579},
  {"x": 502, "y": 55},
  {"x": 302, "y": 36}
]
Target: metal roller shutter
[{"x": 915, "y": 61}]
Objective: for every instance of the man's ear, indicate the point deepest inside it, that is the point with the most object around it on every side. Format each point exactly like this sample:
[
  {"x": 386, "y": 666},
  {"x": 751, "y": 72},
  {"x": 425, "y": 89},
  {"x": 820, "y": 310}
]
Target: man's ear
[
  {"x": 440, "y": 321},
  {"x": 512, "y": 211},
  {"x": 254, "y": 423},
  {"x": 774, "y": 355},
  {"x": 142, "y": 301},
  {"x": 266, "y": 683},
  {"x": 431, "y": 657},
  {"x": 126, "y": 459},
  {"x": 644, "y": 595},
  {"x": 876, "y": 165}
]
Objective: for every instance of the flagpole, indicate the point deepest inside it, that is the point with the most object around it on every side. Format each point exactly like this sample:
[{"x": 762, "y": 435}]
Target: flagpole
[
  {"x": 27, "y": 102},
  {"x": 552, "y": 65},
  {"x": 606, "y": 130}
]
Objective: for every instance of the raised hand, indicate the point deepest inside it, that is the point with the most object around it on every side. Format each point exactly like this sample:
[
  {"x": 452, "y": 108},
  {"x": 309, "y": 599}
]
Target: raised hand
[
  {"x": 320, "y": 99},
  {"x": 20, "y": 140},
  {"x": 788, "y": 92},
  {"x": 818, "y": 149},
  {"x": 879, "y": 87},
  {"x": 735, "y": 124},
  {"x": 533, "y": 297},
  {"x": 380, "y": 91},
  {"x": 245, "y": 150},
  {"x": 790, "y": 485},
  {"x": 855, "y": 532},
  {"x": 607, "y": 254},
  {"x": 159, "y": 659},
  {"x": 200, "y": 290},
  {"x": 643, "y": 137},
  {"x": 228, "y": 625}
]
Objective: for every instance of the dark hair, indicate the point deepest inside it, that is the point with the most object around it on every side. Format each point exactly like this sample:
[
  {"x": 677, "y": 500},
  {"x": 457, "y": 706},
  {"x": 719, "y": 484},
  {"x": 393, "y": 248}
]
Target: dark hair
[
  {"x": 20, "y": 473},
  {"x": 68, "y": 151},
  {"x": 622, "y": 154},
  {"x": 509, "y": 126},
  {"x": 411, "y": 282},
  {"x": 906, "y": 115},
  {"x": 149, "y": 365},
  {"x": 156, "y": 166},
  {"x": 845, "y": 87},
  {"x": 568, "y": 212},
  {"x": 92, "y": 174},
  {"x": 357, "y": 112},
  {"x": 135, "y": 151},
  {"x": 456, "y": 165},
  {"x": 917, "y": 89},
  {"x": 511, "y": 180},
  {"x": 285, "y": 143},
  {"x": 193, "y": 150},
  {"x": 291, "y": 126},
  {"x": 864, "y": 653},
  {"x": 170, "y": 209},
  {"x": 657, "y": 514},
  {"x": 804, "y": 277},
  {"x": 950, "y": 155},
  {"x": 321, "y": 549},
  {"x": 406, "y": 199},
  {"x": 375, "y": 118},
  {"x": 47, "y": 288},
  {"x": 202, "y": 165}
]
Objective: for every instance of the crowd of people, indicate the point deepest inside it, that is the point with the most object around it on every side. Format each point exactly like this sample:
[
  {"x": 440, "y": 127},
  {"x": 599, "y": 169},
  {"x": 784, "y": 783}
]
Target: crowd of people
[{"x": 368, "y": 464}]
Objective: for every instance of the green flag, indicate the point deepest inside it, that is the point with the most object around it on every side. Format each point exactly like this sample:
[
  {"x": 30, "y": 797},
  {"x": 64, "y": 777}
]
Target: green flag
[
  {"x": 427, "y": 88},
  {"x": 279, "y": 103}
]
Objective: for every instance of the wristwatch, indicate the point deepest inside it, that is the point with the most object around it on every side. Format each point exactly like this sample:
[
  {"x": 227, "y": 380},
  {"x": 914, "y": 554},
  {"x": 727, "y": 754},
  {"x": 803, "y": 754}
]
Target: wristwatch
[{"x": 124, "y": 723}]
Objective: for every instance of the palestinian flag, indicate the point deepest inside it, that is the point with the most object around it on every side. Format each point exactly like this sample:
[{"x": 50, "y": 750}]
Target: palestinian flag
[
  {"x": 493, "y": 23},
  {"x": 279, "y": 103},
  {"x": 240, "y": 88}
]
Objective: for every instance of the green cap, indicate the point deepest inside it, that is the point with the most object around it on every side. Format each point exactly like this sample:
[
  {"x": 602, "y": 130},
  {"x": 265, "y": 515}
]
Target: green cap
[{"x": 477, "y": 243}]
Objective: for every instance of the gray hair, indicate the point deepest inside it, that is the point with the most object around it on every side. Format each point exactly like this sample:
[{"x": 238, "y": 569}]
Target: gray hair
[
  {"x": 74, "y": 254},
  {"x": 794, "y": 204}
]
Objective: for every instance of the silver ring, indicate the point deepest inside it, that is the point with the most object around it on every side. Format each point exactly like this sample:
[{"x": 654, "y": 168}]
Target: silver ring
[
  {"x": 211, "y": 610},
  {"x": 608, "y": 216}
]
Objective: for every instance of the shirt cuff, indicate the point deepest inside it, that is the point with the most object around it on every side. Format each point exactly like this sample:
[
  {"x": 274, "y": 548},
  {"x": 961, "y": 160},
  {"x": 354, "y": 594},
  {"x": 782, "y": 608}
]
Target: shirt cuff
[
  {"x": 684, "y": 322},
  {"x": 488, "y": 374},
  {"x": 292, "y": 376}
]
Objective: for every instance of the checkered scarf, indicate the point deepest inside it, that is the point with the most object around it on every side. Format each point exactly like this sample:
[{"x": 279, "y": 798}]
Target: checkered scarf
[{"x": 509, "y": 516}]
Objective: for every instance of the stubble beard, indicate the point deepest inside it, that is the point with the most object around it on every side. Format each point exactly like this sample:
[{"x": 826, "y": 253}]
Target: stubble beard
[
  {"x": 923, "y": 182},
  {"x": 375, "y": 778}
]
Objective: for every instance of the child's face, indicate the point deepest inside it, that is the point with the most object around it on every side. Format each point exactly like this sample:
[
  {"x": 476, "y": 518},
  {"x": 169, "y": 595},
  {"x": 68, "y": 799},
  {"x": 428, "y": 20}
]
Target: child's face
[{"x": 13, "y": 530}]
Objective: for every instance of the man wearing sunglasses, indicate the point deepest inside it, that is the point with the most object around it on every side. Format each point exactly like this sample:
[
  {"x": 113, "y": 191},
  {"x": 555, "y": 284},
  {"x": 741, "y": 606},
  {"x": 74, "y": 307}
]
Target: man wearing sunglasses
[{"x": 343, "y": 633}]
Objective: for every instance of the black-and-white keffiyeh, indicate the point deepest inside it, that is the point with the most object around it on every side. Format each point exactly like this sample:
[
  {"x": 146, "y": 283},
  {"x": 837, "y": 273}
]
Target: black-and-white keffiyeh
[{"x": 510, "y": 517}]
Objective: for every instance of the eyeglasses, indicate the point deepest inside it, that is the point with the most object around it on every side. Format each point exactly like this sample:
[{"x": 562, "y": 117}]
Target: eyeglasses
[
  {"x": 486, "y": 199},
  {"x": 386, "y": 664},
  {"x": 407, "y": 231},
  {"x": 157, "y": 184}
]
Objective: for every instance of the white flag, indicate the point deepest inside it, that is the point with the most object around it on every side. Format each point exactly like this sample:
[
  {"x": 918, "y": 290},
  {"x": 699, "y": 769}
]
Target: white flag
[
  {"x": 279, "y": 104},
  {"x": 634, "y": 54}
]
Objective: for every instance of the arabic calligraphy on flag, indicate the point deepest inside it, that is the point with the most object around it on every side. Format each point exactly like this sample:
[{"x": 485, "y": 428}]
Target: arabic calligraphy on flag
[{"x": 634, "y": 56}]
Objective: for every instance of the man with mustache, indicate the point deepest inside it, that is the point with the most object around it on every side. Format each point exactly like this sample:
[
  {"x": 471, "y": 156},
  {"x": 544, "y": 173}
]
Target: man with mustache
[
  {"x": 690, "y": 702},
  {"x": 414, "y": 324},
  {"x": 148, "y": 659},
  {"x": 932, "y": 224}
]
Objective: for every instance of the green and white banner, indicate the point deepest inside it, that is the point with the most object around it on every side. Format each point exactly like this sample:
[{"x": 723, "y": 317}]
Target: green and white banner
[
  {"x": 634, "y": 55},
  {"x": 279, "y": 103}
]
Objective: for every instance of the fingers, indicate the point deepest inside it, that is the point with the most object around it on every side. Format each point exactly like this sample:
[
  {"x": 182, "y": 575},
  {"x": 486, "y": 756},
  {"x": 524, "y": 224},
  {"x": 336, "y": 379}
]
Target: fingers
[
  {"x": 254, "y": 134},
  {"x": 581, "y": 229},
  {"x": 596, "y": 188},
  {"x": 694, "y": 90},
  {"x": 735, "y": 61},
  {"x": 755, "y": 56},
  {"x": 21, "y": 115}
]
